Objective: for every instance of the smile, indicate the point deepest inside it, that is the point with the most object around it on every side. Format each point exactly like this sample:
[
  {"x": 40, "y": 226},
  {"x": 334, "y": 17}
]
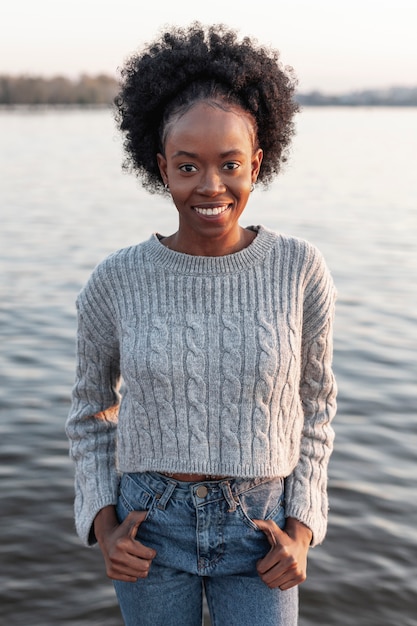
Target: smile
[{"x": 216, "y": 210}]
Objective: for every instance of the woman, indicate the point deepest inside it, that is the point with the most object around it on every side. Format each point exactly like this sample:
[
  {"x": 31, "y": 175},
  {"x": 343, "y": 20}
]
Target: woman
[{"x": 210, "y": 471}]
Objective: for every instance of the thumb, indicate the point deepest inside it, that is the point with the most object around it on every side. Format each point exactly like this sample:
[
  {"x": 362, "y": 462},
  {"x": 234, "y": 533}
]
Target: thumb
[
  {"x": 273, "y": 533},
  {"x": 133, "y": 521}
]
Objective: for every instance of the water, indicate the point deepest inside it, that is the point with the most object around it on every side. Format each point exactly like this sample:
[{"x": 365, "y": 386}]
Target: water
[{"x": 351, "y": 189}]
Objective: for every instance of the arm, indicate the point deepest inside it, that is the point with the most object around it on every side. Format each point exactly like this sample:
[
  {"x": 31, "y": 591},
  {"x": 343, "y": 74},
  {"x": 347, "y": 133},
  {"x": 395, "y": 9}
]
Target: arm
[
  {"x": 92, "y": 422},
  {"x": 92, "y": 444},
  {"x": 285, "y": 565},
  {"x": 306, "y": 487},
  {"x": 92, "y": 430}
]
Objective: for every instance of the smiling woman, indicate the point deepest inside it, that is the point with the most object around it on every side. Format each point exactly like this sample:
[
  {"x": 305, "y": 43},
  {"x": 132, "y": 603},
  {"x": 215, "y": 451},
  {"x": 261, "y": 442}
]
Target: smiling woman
[{"x": 223, "y": 337}]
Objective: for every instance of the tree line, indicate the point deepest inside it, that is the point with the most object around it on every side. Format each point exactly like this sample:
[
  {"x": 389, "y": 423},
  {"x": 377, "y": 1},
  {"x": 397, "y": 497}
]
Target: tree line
[
  {"x": 101, "y": 89},
  {"x": 58, "y": 90},
  {"x": 391, "y": 96}
]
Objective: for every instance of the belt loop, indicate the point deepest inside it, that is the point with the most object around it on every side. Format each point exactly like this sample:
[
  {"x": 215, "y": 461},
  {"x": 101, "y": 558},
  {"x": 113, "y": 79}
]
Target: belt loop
[
  {"x": 164, "y": 499},
  {"x": 227, "y": 492}
]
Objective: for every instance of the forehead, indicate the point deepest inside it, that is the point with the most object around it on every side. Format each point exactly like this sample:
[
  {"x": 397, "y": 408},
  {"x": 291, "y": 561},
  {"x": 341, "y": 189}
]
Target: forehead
[{"x": 212, "y": 124}]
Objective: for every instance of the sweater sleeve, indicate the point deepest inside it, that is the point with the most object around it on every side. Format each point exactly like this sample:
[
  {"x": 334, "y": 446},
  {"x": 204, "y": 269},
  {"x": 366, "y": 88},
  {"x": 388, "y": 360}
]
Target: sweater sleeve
[
  {"x": 306, "y": 487},
  {"x": 92, "y": 421}
]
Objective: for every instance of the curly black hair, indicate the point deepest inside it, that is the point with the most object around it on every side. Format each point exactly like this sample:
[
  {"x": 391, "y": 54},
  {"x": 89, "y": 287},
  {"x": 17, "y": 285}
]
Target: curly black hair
[{"x": 187, "y": 65}]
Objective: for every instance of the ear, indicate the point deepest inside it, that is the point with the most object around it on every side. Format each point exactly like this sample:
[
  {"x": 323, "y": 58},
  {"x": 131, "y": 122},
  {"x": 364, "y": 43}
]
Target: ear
[
  {"x": 256, "y": 164},
  {"x": 162, "y": 164}
]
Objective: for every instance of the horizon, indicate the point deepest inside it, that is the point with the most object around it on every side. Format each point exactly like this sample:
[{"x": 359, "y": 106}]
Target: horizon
[
  {"x": 333, "y": 48},
  {"x": 93, "y": 76}
]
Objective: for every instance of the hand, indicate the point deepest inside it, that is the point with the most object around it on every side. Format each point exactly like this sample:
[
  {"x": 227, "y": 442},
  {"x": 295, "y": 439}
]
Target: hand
[
  {"x": 126, "y": 558},
  {"x": 285, "y": 565}
]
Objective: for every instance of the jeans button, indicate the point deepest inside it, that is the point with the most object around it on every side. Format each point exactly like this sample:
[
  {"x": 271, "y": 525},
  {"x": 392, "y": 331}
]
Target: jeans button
[{"x": 202, "y": 491}]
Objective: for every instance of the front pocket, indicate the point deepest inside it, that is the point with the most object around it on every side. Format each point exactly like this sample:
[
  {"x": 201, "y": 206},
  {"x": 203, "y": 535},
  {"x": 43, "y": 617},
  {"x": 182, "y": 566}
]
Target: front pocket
[
  {"x": 133, "y": 496},
  {"x": 265, "y": 501}
]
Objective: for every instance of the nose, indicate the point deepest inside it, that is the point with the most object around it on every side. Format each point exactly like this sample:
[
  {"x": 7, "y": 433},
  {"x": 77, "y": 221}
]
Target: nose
[{"x": 211, "y": 183}]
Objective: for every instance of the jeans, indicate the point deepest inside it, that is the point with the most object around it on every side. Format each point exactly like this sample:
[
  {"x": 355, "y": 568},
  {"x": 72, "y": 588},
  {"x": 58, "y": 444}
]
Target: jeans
[{"x": 205, "y": 538}]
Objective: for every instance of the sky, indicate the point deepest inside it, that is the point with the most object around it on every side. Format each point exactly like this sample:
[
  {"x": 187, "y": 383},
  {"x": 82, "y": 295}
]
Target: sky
[{"x": 333, "y": 45}]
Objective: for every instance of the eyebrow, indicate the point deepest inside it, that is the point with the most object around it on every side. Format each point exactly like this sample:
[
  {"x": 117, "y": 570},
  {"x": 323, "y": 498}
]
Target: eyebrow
[{"x": 194, "y": 155}]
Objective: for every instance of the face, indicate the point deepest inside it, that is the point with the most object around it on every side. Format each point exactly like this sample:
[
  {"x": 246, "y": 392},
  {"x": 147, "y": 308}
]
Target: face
[{"x": 210, "y": 164}]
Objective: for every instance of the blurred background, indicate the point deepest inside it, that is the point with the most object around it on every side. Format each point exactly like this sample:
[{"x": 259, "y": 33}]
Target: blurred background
[{"x": 349, "y": 187}]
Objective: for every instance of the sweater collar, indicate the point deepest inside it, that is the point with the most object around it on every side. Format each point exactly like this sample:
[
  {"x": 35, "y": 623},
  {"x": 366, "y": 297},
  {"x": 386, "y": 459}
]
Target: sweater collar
[{"x": 186, "y": 263}]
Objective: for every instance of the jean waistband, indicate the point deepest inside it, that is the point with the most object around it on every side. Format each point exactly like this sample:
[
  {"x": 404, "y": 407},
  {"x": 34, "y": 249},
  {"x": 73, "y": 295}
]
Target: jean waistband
[{"x": 164, "y": 487}]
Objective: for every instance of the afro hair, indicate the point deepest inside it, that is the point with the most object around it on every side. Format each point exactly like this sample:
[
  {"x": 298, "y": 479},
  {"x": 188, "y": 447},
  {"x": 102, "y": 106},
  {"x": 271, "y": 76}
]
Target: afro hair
[{"x": 186, "y": 65}]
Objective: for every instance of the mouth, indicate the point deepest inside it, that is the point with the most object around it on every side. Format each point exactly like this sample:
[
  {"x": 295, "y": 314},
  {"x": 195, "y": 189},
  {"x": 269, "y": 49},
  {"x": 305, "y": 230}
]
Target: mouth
[{"x": 211, "y": 211}]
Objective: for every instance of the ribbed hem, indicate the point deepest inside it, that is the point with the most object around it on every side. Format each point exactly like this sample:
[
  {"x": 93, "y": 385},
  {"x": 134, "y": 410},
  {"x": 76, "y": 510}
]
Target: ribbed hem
[
  {"x": 196, "y": 466},
  {"x": 313, "y": 521},
  {"x": 85, "y": 519}
]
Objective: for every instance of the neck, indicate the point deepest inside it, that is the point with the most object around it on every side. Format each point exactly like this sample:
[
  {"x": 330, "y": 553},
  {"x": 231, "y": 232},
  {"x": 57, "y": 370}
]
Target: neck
[{"x": 209, "y": 246}]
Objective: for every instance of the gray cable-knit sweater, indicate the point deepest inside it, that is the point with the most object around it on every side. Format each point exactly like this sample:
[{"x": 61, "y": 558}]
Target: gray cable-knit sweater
[{"x": 226, "y": 369}]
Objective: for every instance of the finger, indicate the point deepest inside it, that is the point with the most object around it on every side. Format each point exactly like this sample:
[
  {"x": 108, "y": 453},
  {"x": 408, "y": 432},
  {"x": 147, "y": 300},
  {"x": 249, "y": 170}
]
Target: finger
[
  {"x": 280, "y": 569},
  {"x": 129, "y": 576},
  {"x": 122, "y": 578},
  {"x": 133, "y": 521},
  {"x": 273, "y": 533},
  {"x": 277, "y": 560},
  {"x": 130, "y": 527},
  {"x": 273, "y": 565},
  {"x": 126, "y": 560},
  {"x": 130, "y": 567},
  {"x": 284, "y": 580},
  {"x": 282, "y": 583}
]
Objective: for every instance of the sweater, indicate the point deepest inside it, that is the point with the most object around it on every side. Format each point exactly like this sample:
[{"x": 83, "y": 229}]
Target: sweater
[{"x": 208, "y": 365}]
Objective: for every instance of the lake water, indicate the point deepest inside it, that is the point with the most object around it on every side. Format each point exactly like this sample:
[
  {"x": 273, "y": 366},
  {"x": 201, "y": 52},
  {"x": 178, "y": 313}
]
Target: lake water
[{"x": 350, "y": 188}]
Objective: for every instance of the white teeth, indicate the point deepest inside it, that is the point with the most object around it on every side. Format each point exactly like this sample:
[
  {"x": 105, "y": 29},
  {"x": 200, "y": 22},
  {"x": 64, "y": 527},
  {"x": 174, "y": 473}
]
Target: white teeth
[{"x": 212, "y": 211}]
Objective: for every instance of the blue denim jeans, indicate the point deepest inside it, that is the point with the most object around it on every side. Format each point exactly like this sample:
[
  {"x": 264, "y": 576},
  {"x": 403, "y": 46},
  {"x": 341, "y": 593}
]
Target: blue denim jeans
[{"x": 205, "y": 538}]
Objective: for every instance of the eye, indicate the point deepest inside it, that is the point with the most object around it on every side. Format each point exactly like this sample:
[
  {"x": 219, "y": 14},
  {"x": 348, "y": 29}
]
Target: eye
[
  {"x": 188, "y": 167},
  {"x": 231, "y": 165}
]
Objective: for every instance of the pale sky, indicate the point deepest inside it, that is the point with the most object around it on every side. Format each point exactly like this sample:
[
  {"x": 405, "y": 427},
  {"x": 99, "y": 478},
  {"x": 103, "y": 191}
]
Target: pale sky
[{"x": 334, "y": 45}]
